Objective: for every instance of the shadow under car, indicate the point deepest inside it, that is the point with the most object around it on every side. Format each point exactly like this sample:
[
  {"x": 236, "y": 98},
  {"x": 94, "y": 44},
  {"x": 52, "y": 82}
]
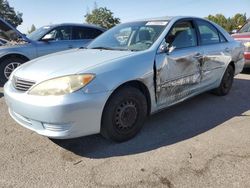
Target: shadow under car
[{"x": 180, "y": 122}]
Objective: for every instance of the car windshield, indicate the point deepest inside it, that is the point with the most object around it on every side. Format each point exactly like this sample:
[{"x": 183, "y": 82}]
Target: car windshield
[
  {"x": 39, "y": 33},
  {"x": 135, "y": 36},
  {"x": 245, "y": 28}
]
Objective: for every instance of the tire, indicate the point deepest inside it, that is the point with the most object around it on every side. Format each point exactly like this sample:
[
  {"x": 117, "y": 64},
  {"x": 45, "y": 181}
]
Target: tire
[
  {"x": 124, "y": 114},
  {"x": 226, "y": 82},
  {"x": 7, "y": 66}
]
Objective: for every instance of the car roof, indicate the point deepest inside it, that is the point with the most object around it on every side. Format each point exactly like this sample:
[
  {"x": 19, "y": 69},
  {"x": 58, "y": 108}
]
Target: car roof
[
  {"x": 176, "y": 18},
  {"x": 170, "y": 18},
  {"x": 166, "y": 18},
  {"x": 77, "y": 25}
]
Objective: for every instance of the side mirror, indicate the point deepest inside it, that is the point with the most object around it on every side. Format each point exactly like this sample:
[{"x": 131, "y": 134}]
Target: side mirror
[
  {"x": 234, "y": 31},
  {"x": 165, "y": 48},
  {"x": 48, "y": 38}
]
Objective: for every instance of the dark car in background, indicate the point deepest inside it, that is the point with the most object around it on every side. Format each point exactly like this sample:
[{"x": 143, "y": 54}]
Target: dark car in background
[
  {"x": 18, "y": 48},
  {"x": 243, "y": 35}
]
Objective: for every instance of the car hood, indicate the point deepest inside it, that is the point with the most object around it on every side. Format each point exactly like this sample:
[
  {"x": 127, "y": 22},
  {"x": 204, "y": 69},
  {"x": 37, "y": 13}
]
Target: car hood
[
  {"x": 10, "y": 33},
  {"x": 66, "y": 63}
]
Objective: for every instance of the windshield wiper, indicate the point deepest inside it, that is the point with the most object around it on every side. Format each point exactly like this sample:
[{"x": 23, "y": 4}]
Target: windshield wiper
[
  {"x": 103, "y": 48},
  {"x": 117, "y": 49},
  {"x": 125, "y": 49},
  {"x": 134, "y": 50},
  {"x": 82, "y": 47}
]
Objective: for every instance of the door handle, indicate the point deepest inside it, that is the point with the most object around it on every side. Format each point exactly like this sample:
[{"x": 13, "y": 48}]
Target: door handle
[{"x": 198, "y": 56}]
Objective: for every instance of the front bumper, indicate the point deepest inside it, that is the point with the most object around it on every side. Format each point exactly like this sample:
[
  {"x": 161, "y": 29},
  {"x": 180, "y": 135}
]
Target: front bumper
[{"x": 61, "y": 117}]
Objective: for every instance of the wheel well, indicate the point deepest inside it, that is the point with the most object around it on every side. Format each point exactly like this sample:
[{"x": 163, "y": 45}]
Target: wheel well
[
  {"x": 139, "y": 85},
  {"x": 232, "y": 64},
  {"x": 14, "y": 56}
]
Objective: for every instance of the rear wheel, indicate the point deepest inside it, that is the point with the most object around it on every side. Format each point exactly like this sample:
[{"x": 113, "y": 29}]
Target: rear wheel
[
  {"x": 226, "y": 82},
  {"x": 7, "y": 66},
  {"x": 124, "y": 114}
]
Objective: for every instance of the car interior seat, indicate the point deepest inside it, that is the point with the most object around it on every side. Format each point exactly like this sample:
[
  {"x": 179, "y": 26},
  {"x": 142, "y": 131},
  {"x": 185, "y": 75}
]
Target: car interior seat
[
  {"x": 144, "y": 35},
  {"x": 59, "y": 35},
  {"x": 183, "y": 39}
]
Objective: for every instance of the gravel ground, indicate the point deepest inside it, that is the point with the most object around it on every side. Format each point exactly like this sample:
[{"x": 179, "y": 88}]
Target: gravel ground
[{"x": 203, "y": 142}]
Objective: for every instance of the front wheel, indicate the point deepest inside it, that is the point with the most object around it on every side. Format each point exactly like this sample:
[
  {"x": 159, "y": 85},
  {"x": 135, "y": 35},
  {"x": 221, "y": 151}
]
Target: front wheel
[
  {"x": 7, "y": 66},
  {"x": 124, "y": 114},
  {"x": 226, "y": 82}
]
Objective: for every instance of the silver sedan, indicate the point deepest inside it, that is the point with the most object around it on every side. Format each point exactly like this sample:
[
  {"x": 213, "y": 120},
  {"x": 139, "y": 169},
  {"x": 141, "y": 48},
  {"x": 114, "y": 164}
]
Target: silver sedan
[
  {"x": 18, "y": 48},
  {"x": 131, "y": 71}
]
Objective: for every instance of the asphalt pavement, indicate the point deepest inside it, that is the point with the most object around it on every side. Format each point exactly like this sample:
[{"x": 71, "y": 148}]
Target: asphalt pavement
[{"x": 203, "y": 142}]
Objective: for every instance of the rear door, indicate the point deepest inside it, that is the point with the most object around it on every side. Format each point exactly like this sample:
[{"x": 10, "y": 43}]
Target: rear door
[
  {"x": 179, "y": 70},
  {"x": 216, "y": 53},
  {"x": 82, "y": 36}
]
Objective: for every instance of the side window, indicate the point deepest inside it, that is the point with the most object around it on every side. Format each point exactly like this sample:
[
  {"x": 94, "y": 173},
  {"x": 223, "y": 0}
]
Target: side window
[
  {"x": 80, "y": 33},
  {"x": 245, "y": 28},
  {"x": 222, "y": 38},
  {"x": 182, "y": 35},
  {"x": 96, "y": 33},
  {"x": 208, "y": 33},
  {"x": 59, "y": 33}
]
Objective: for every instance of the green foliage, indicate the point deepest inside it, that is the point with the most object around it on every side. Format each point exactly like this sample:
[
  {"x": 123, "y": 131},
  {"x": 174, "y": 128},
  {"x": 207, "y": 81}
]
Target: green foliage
[
  {"x": 103, "y": 17},
  {"x": 33, "y": 28},
  {"x": 230, "y": 23},
  {"x": 8, "y": 13},
  {"x": 238, "y": 20}
]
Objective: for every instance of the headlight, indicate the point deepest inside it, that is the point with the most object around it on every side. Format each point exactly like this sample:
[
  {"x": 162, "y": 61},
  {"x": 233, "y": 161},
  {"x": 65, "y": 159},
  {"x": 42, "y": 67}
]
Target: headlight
[
  {"x": 61, "y": 85},
  {"x": 247, "y": 44}
]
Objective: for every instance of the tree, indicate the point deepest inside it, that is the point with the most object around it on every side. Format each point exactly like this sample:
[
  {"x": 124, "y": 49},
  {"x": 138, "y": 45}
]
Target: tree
[
  {"x": 33, "y": 28},
  {"x": 103, "y": 17},
  {"x": 8, "y": 13},
  {"x": 220, "y": 20},
  {"x": 229, "y": 23},
  {"x": 238, "y": 20}
]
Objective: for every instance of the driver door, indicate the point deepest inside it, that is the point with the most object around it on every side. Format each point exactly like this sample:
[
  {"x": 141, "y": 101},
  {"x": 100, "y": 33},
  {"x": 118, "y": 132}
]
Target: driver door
[
  {"x": 60, "y": 39},
  {"x": 178, "y": 71}
]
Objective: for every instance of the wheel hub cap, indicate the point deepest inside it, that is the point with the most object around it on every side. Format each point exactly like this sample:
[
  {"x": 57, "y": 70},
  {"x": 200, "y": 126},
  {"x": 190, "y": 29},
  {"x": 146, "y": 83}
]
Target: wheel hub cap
[
  {"x": 10, "y": 68},
  {"x": 126, "y": 115}
]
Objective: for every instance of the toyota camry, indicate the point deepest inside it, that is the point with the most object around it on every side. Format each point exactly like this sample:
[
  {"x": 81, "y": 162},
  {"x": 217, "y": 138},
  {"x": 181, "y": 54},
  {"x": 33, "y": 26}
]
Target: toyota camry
[{"x": 126, "y": 74}]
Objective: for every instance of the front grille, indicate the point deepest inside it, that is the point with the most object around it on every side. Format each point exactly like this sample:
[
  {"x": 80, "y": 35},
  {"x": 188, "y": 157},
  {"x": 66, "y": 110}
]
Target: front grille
[{"x": 22, "y": 84}]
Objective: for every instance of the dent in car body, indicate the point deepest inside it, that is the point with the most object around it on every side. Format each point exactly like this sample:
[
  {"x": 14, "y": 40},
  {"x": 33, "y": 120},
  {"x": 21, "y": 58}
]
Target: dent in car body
[
  {"x": 203, "y": 67},
  {"x": 171, "y": 84}
]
